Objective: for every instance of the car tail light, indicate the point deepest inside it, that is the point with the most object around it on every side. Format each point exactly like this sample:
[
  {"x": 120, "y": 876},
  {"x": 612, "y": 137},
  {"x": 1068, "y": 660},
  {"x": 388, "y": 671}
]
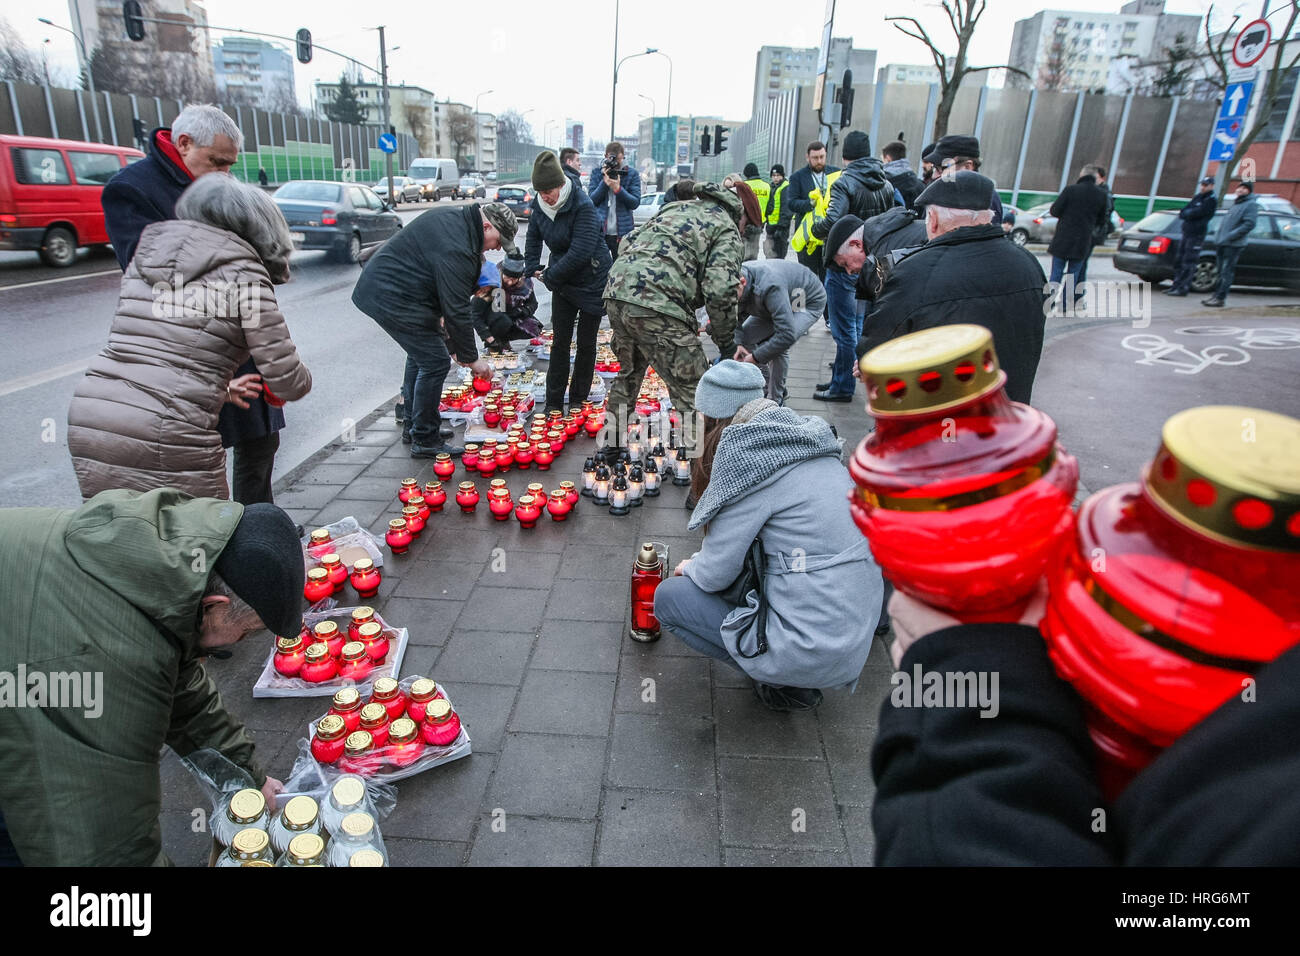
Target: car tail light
[
  {"x": 528, "y": 197},
  {"x": 329, "y": 217},
  {"x": 8, "y": 219},
  {"x": 1038, "y": 221},
  {"x": 1158, "y": 246},
  {"x": 496, "y": 197}
]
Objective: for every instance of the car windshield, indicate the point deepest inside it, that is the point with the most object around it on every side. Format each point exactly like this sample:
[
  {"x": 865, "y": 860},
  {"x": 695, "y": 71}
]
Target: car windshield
[
  {"x": 468, "y": 181},
  {"x": 510, "y": 193},
  {"x": 1042, "y": 210},
  {"x": 1156, "y": 222},
  {"x": 313, "y": 192},
  {"x": 650, "y": 199}
]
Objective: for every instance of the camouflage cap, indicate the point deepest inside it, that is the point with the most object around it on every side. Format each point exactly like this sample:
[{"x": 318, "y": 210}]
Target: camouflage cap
[{"x": 503, "y": 220}]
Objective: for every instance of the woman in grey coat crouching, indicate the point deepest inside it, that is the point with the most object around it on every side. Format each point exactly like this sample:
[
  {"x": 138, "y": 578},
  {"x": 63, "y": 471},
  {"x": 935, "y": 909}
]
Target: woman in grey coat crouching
[{"x": 767, "y": 472}]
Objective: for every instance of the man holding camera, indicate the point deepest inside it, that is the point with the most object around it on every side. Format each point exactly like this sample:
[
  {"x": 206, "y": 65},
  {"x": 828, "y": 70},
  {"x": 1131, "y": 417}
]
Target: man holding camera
[{"x": 615, "y": 190}]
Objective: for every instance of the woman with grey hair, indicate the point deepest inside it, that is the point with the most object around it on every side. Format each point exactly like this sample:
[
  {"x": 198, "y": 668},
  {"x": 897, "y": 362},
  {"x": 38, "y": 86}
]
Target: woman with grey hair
[{"x": 197, "y": 300}]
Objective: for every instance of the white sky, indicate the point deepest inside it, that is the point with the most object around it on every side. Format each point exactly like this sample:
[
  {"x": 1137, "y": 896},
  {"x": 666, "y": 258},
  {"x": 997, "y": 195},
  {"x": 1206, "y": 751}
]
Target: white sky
[{"x": 556, "y": 58}]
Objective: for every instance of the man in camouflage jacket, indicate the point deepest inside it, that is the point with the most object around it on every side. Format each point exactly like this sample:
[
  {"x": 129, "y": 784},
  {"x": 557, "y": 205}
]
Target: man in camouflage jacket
[{"x": 686, "y": 257}]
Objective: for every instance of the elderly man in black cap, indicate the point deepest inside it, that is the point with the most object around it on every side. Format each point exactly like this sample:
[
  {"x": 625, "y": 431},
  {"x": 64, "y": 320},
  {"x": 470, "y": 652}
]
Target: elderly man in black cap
[
  {"x": 418, "y": 288},
  {"x": 965, "y": 273},
  {"x": 958, "y": 152},
  {"x": 868, "y": 250}
]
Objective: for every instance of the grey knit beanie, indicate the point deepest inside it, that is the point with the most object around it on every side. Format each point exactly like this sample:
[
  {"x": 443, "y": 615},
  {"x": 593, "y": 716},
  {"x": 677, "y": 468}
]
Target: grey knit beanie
[{"x": 727, "y": 386}]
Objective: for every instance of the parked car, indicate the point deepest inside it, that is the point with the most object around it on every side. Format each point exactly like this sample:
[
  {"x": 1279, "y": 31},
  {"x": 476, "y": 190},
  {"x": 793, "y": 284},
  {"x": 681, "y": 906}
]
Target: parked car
[
  {"x": 1037, "y": 224},
  {"x": 490, "y": 177},
  {"x": 650, "y": 204},
  {"x": 1149, "y": 249},
  {"x": 50, "y": 194},
  {"x": 519, "y": 199},
  {"x": 470, "y": 187},
  {"x": 405, "y": 189},
  {"x": 437, "y": 177},
  {"x": 341, "y": 218}
]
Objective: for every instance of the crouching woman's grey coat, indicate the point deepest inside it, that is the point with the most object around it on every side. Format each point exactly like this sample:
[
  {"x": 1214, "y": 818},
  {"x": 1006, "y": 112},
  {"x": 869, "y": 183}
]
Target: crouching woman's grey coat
[{"x": 778, "y": 476}]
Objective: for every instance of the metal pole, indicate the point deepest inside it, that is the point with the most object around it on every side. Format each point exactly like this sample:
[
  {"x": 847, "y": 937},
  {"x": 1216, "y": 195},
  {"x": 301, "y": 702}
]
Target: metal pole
[
  {"x": 979, "y": 110},
  {"x": 1286, "y": 132},
  {"x": 1164, "y": 150},
  {"x": 877, "y": 104},
  {"x": 1024, "y": 146},
  {"x": 49, "y": 108},
  {"x": 931, "y": 111},
  {"x": 1113, "y": 171},
  {"x": 1069, "y": 149},
  {"x": 383, "y": 80},
  {"x": 13, "y": 105},
  {"x": 81, "y": 108},
  {"x": 613, "y": 98}
]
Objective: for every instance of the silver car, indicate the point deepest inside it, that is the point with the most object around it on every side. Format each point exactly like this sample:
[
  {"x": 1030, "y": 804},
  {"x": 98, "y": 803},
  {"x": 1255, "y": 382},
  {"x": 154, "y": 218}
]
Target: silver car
[
  {"x": 1037, "y": 224},
  {"x": 405, "y": 189}
]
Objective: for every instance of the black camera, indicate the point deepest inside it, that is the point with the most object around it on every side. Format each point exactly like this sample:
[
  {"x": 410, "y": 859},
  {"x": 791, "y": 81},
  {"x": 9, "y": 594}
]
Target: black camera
[{"x": 610, "y": 166}]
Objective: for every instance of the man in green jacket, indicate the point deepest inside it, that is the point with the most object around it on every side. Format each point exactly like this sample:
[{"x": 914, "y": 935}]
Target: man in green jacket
[{"x": 108, "y": 610}]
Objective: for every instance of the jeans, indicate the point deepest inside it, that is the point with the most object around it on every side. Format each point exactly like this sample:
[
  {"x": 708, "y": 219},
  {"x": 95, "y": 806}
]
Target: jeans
[
  {"x": 1082, "y": 275},
  {"x": 1063, "y": 267},
  {"x": 563, "y": 314},
  {"x": 1227, "y": 261},
  {"x": 1189, "y": 253},
  {"x": 694, "y": 616},
  {"x": 254, "y": 460},
  {"x": 756, "y": 330},
  {"x": 846, "y": 316},
  {"x": 427, "y": 364}
]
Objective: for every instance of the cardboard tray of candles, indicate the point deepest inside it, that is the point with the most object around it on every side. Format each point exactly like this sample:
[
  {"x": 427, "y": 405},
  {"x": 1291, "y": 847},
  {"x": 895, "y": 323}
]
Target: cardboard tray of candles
[
  {"x": 382, "y": 770},
  {"x": 271, "y": 683},
  {"x": 348, "y": 540}
]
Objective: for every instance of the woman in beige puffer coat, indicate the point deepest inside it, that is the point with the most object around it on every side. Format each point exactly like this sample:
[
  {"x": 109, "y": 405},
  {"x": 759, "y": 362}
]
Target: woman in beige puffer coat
[{"x": 196, "y": 301}]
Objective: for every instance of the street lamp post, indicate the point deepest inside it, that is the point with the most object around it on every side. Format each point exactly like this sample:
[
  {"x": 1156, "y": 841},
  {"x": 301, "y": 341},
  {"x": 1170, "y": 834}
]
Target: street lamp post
[
  {"x": 383, "y": 79},
  {"x": 669, "y": 108},
  {"x": 613, "y": 104},
  {"x": 653, "y": 114},
  {"x": 90, "y": 73}
]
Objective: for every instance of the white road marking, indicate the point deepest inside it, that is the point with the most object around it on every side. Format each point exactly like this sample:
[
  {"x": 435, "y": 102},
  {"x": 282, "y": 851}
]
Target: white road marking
[
  {"x": 86, "y": 275},
  {"x": 40, "y": 378}
]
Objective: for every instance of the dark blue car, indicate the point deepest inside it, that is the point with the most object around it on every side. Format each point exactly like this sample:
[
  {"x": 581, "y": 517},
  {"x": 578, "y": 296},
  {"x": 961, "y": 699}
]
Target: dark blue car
[{"x": 340, "y": 218}]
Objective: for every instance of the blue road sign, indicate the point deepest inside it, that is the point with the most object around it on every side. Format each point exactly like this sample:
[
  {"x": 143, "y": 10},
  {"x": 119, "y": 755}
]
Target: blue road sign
[
  {"x": 388, "y": 143},
  {"x": 1224, "y": 141},
  {"x": 1236, "y": 100}
]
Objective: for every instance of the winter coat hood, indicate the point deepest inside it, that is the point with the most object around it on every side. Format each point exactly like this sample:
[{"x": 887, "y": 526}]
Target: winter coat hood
[
  {"x": 192, "y": 249},
  {"x": 721, "y": 195}
]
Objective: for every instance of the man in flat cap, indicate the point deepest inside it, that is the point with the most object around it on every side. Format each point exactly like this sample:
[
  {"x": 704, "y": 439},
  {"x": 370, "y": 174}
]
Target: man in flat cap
[
  {"x": 109, "y": 611},
  {"x": 958, "y": 152},
  {"x": 418, "y": 288},
  {"x": 966, "y": 273}
]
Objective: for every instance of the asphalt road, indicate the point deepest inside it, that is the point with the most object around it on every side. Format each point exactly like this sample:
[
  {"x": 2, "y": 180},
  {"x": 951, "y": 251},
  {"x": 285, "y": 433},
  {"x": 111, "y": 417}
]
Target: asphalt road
[{"x": 52, "y": 322}]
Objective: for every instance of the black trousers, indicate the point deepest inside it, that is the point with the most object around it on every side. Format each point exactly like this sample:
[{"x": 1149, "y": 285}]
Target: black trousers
[
  {"x": 815, "y": 262},
  {"x": 254, "y": 461},
  {"x": 612, "y": 242},
  {"x": 780, "y": 239},
  {"x": 564, "y": 313}
]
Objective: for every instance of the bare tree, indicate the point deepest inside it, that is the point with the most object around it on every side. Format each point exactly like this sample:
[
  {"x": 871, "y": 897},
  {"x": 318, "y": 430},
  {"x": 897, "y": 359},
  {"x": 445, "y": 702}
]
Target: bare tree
[
  {"x": 1174, "y": 71},
  {"x": 963, "y": 15},
  {"x": 1055, "y": 73},
  {"x": 17, "y": 62},
  {"x": 420, "y": 120},
  {"x": 1221, "y": 54},
  {"x": 461, "y": 130},
  {"x": 280, "y": 98},
  {"x": 512, "y": 128},
  {"x": 180, "y": 77}
]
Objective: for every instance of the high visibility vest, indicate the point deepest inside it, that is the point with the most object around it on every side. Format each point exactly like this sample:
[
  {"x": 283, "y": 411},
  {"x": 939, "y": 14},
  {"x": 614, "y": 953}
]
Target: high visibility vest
[
  {"x": 761, "y": 189},
  {"x": 803, "y": 240},
  {"x": 774, "y": 216}
]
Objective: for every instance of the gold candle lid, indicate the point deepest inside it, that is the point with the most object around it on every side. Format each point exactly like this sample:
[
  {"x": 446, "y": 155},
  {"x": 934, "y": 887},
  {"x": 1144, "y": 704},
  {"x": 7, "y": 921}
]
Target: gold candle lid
[
  {"x": 328, "y": 561},
  {"x": 410, "y": 511},
  {"x": 502, "y": 494},
  {"x": 409, "y": 482},
  {"x": 402, "y": 731},
  {"x": 288, "y": 644},
  {"x": 358, "y": 742},
  {"x": 1232, "y": 473},
  {"x": 353, "y": 651},
  {"x": 256, "y": 863},
  {"x": 357, "y": 824},
  {"x": 325, "y": 629},
  {"x": 317, "y": 574},
  {"x": 346, "y": 698},
  {"x": 320, "y": 536},
  {"x": 250, "y": 842},
  {"x": 330, "y": 727},
  {"x": 370, "y": 630},
  {"x": 526, "y": 501},
  {"x": 363, "y": 564},
  {"x": 544, "y": 446},
  {"x": 366, "y": 858},
  {"x": 373, "y": 714},
  {"x": 431, "y": 488},
  {"x": 348, "y": 791},
  {"x": 470, "y": 446},
  {"x": 931, "y": 370},
  {"x": 385, "y": 687},
  {"x": 317, "y": 652},
  {"x": 397, "y": 524},
  {"x": 467, "y": 486},
  {"x": 537, "y": 489},
  {"x": 362, "y": 614},
  {"x": 648, "y": 559},
  {"x": 247, "y": 805},
  {"x": 306, "y": 848},
  {"x": 438, "y": 711},
  {"x": 300, "y": 813},
  {"x": 423, "y": 689},
  {"x": 568, "y": 486},
  {"x": 496, "y": 483}
]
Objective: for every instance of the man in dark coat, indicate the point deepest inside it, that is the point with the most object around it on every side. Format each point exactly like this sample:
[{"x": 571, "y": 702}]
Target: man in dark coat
[
  {"x": 865, "y": 249},
  {"x": 862, "y": 191},
  {"x": 965, "y": 273},
  {"x": 418, "y": 288},
  {"x": 1079, "y": 210},
  {"x": 811, "y": 177},
  {"x": 201, "y": 140},
  {"x": 1231, "y": 237},
  {"x": 957, "y": 151},
  {"x": 1195, "y": 217},
  {"x": 615, "y": 190},
  {"x": 899, "y": 172}
]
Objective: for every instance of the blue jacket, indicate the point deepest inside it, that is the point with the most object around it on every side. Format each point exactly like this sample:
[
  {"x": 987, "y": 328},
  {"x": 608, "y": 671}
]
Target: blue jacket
[
  {"x": 580, "y": 259},
  {"x": 140, "y": 195},
  {"x": 1237, "y": 223},
  {"x": 627, "y": 199},
  {"x": 801, "y": 184},
  {"x": 1196, "y": 215}
]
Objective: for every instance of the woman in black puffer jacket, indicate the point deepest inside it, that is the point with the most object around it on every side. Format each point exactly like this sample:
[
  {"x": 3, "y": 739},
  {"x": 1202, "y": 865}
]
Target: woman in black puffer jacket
[{"x": 563, "y": 218}]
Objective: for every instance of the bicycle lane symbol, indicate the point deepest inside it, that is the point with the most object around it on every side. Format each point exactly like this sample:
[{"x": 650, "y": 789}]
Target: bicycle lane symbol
[{"x": 1157, "y": 351}]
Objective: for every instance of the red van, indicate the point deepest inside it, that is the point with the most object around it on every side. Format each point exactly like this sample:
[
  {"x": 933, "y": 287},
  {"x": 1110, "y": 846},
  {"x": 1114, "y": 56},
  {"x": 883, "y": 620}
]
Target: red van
[{"x": 50, "y": 194}]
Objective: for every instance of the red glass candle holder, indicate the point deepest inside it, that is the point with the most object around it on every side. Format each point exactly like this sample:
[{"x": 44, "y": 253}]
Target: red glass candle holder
[
  {"x": 571, "y": 490},
  {"x": 336, "y": 570},
  {"x": 962, "y": 493},
  {"x": 508, "y": 417},
  {"x": 524, "y": 454},
  {"x": 468, "y": 458},
  {"x": 443, "y": 466},
  {"x": 388, "y": 692},
  {"x": 374, "y": 721},
  {"x": 414, "y": 523},
  {"x": 360, "y": 616},
  {"x": 544, "y": 456},
  {"x": 398, "y": 537},
  {"x": 405, "y": 745},
  {"x": 593, "y": 425},
  {"x": 421, "y": 505},
  {"x": 505, "y": 456},
  {"x": 327, "y": 633},
  {"x": 441, "y": 725},
  {"x": 319, "y": 538},
  {"x": 572, "y": 425},
  {"x": 359, "y": 755},
  {"x": 290, "y": 653},
  {"x": 499, "y": 503},
  {"x": 491, "y": 415},
  {"x": 588, "y": 409},
  {"x": 355, "y": 664},
  {"x": 487, "y": 463},
  {"x": 347, "y": 705},
  {"x": 317, "y": 587},
  {"x": 482, "y": 385},
  {"x": 328, "y": 742},
  {"x": 528, "y": 511},
  {"x": 467, "y": 496},
  {"x": 317, "y": 665},
  {"x": 409, "y": 487},
  {"x": 557, "y": 504},
  {"x": 423, "y": 691},
  {"x": 435, "y": 496},
  {"x": 366, "y": 578},
  {"x": 374, "y": 640},
  {"x": 648, "y": 572},
  {"x": 557, "y": 439}
]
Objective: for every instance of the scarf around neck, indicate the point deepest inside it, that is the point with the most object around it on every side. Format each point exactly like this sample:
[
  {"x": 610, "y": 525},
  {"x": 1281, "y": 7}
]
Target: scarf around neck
[{"x": 565, "y": 193}]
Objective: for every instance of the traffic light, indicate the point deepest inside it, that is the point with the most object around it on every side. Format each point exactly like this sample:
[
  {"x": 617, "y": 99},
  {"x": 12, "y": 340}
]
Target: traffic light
[
  {"x": 304, "y": 45},
  {"x": 845, "y": 97},
  {"x": 706, "y": 142},
  {"x": 134, "y": 18},
  {"x": 720, "y": 138}
]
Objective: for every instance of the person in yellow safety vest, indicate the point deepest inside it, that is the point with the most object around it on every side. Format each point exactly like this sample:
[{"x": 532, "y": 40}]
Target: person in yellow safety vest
[
  {"x": 754, "y": 232},
  {"x": 778, "y": 215},
  {"x": 802, "y": 240}
]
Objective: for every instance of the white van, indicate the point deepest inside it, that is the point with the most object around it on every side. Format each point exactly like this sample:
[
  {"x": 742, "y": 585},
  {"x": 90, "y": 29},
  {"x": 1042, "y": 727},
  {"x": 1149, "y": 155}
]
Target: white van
[{"x": 438, "y": 178}]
